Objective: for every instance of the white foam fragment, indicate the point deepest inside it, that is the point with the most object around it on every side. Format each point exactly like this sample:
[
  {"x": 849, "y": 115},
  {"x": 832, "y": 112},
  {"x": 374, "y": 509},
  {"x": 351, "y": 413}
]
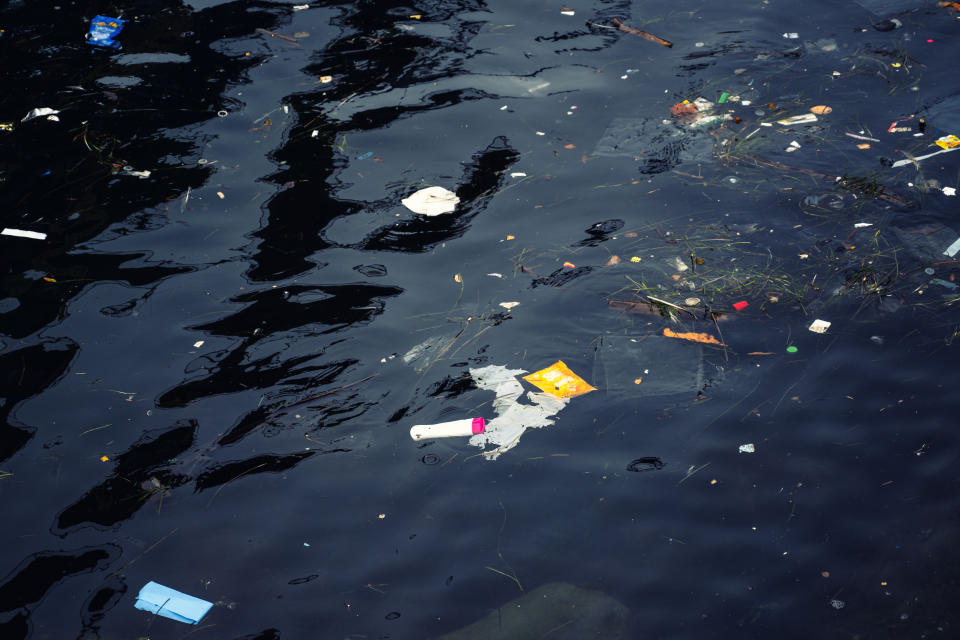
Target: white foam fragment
[
  {"x": 513, "y": 418},
  {"x": 820, "y": 326},
  {"x": 20, "y": 233},
  {"x": 952, "y": 249}
]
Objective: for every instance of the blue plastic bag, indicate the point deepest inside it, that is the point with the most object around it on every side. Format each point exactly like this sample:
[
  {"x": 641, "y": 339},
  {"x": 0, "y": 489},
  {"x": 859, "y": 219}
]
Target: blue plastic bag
[
  {"x": 170, "y": 603},
  {"x": 103, "y": 30}
]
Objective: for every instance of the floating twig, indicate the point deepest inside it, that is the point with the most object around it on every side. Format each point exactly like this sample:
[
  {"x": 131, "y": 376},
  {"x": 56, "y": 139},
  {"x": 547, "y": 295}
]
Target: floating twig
[
  {"x": 642, "y": 34},
  {"x": 276, "y": 35}
]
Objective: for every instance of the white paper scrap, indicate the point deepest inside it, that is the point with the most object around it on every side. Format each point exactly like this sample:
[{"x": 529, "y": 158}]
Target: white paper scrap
[
  {"x": 861, "y": 225},
  {"x": 513, "y": 418},
  {"x": 952, "y": 249},
  {"x": 949, "y": 191},
  {"x": 20, "y": 233},
  {"x": 509, "y": 305},
  {"x": 747, "y": 448},
  {"x": 431, "y": 201},
  {"x": 820, "y": 326},
  {"x": 40, "y": 112}
]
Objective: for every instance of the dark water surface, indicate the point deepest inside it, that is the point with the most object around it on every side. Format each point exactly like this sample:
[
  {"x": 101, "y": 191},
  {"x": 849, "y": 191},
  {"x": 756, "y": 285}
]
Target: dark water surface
[{"x": 209, "y": 373}]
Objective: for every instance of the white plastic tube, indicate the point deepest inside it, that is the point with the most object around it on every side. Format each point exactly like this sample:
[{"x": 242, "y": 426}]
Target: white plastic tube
[{"x": 455, "y": 428}]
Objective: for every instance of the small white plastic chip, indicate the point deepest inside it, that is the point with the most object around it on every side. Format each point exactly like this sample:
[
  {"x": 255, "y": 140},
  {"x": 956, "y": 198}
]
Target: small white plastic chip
[{"x": 820, "y": 326}]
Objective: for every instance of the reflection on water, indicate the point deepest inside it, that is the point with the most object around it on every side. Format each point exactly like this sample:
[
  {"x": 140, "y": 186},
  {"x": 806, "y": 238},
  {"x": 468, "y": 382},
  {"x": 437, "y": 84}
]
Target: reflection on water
[{"x": 209, "y": 370}]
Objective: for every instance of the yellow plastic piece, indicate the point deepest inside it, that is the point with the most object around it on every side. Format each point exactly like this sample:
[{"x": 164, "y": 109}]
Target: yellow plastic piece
[
  {"x": 560, "y": 381},
  {"x": 948, "y": 142}
]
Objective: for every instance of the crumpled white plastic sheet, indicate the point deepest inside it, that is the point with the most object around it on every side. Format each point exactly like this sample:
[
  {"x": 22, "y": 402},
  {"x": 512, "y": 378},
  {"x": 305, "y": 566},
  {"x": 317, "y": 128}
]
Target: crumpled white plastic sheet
[{"x": 513, "y": 418}]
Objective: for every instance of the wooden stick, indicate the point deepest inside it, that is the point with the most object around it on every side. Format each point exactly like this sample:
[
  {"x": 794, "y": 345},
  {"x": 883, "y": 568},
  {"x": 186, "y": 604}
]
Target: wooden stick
[
  {"x": 276, "y": 35},
  {"x": 642, "y": 34}
]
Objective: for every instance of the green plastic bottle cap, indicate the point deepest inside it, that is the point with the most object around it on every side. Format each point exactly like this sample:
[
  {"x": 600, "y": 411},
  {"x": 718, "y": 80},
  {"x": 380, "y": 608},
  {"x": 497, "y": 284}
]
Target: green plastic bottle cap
[{"x": 792, "y": 349}]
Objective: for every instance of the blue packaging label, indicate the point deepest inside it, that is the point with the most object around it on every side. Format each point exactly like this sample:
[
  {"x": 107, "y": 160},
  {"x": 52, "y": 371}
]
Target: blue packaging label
[{"x": 103, "y": 30}]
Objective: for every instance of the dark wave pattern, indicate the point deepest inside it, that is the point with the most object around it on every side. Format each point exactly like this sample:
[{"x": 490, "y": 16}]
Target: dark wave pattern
[
  {"x": 208, "y": 372},
  {"x": 139, "y": 474}
]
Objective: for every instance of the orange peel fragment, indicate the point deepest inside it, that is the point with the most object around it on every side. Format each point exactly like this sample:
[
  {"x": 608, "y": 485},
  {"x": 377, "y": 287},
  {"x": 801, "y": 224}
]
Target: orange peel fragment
[{"x": 705, "y": 338}]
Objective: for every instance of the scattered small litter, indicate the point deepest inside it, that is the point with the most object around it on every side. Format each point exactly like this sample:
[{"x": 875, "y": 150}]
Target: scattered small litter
[
  {"x": 39, "y": 112},
  {"x": 747, "y": 448},
  {"x": 300, "y": 7},
  {"x": 635, "y": 259},
  {"x": 949, "y": 191},
  {"x": 568, "y": 12},
  {"x": 325, "y": 79},
  {"x": 452, "y": 429},
  {"x": 861, "y": 225},
  {"x": 803, "y": 118},
  {"x": 104, "y": 458},
  {"x": 20, "y": 233},
  {"x": 172, "y": 604},
  {"x": 821, "y": 109},
  {"x": 794, "y": 145},
  {"x": 509, "y": 305},
  {"x": 704, "y": 338},
  {"x": 518, "y": 174},
  {"x": 837, "y": 604},
  {"x": 792, "y": 349},
  {"x": 859, "y": 137},
  {"x": 614, "y": 259},
  {"x": 198, "y": 344},
  {"x": 820, "y": 326},
  {"x": 560, "y": 381},
  {"x": 793, "y": 35},
  {"x": 431, "y": 201},
  {"x": 103, "y": 30},
  {"x": 740, "y": 306}
]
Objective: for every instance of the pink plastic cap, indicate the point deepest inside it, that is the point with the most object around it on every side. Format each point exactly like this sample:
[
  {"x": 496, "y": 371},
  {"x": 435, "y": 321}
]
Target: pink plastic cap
[{"x": 478, "y": 426}]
